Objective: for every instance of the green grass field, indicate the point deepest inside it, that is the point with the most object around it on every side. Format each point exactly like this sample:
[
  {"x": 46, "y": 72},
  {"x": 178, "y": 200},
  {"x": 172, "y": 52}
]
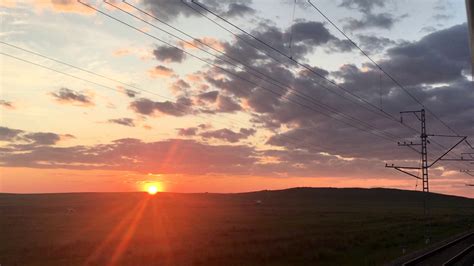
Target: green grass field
[{"x": 290, "y": 227}]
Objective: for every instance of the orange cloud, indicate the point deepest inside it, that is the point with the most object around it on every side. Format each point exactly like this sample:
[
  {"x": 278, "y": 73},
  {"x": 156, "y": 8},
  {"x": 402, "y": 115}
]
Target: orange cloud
[
  {"x": 194, "y": 77},
  {"x": 212, "y": 42},
  {"x": 161, "y": 71},
  {"x": 121, "y": 52},
  {"x": 71, "y": 6},
  {"x": 8, "y": 3}
]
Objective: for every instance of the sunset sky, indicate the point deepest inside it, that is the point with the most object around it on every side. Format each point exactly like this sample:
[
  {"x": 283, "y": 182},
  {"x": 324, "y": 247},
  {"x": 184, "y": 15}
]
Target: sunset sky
[{"x": 200, "y": 118}]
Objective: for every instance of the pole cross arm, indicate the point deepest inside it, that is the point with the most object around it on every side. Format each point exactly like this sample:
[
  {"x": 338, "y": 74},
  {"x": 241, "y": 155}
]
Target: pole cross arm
[
  {"x": 415, "y": 113},
  {"x": 408, "y": 144},
  {"x": 446, "y": 136},
  {"x": 400, "y": 169}
]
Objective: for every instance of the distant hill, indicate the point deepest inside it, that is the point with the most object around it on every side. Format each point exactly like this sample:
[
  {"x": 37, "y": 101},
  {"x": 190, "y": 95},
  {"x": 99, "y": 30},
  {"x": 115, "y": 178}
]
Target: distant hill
[{"x": 359, "y": 193}]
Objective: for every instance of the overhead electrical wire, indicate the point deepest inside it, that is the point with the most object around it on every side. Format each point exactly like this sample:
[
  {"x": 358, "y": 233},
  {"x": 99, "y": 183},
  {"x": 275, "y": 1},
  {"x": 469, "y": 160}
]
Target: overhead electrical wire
[
  {"x": 84, "y": 70},
  {"x": 275, "y": 81},
  {"x": 312, "y": 71},
  {"x": 111, "y": 79},
  {"x": 381, "y": 68},
  {"x": 196, "y": 39},
  {"x": 375, "y": 132},
  {"x": 360, "y": 99},
  {"x": 298, "y": 143}
]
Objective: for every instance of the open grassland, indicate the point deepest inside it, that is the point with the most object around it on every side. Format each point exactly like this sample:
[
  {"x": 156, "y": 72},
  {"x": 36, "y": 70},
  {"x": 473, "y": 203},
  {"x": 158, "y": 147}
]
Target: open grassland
[{"x": 289, "y": 227}]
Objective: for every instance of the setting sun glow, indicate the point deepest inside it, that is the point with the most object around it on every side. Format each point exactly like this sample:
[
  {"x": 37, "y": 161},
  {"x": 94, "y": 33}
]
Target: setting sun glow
[{"x": 152, "y": 190}]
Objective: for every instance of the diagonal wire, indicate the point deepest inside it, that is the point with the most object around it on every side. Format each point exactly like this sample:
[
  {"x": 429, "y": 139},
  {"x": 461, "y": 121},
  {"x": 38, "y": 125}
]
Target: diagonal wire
[{"x": 380, "y": 135}]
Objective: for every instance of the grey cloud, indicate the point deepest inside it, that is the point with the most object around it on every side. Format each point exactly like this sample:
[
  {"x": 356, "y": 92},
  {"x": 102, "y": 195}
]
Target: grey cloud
[
  {"x": 381, "y": 20},
  {"x": 369, "y": 19},
  {"x": 228, "y": 135},
  {"x": 168, "y": 54},
  {"x": 8, "y": 134},
  {"x": 364, "y": 6},
  {"x": 187, "y": 132},
  {"x": 15, "y": 136},
  {"x": 135, "y": 155},
  {"x": 306, "y": 36},
  {"x": 439, "y": 57},
  {"x": 42, "y": 138},
  {"x": 169, "y": 10},
  {"x": 314, "y": 33},
  {"x": 153, "y": 157},
  {"x": 238, "y": 10},
  {"x": 311, "y": 126},
  {"x": 123, "y": 121},
  {"x": 374, "y": 44},
  {"x": 227, "y": 104},
  {"x": 131, "y": 93},
  {"x": 181, "y": 107},
  {"x": 210, "y": 96},
  {"x": 146, "y": 157},
  {"x": 337, "y": 45},
  {"x": 71, "y": 96},
  {"x": 444, "y": 10}
]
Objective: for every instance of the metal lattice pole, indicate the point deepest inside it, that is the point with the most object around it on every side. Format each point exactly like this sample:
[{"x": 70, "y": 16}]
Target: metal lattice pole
[
  {"x": 424, "y": 152},
  {"x": 425, "y": 165}
]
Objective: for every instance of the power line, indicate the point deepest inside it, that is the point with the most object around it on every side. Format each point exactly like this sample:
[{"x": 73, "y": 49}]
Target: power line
[
  {"x": 376, "y": 132},
  {"x": 306, "y": 67},
  {"x": 218, "y": 50},
  {"x": 229, "y": 31},
  {"x": 224, "y": 54},
  {"x": 360, "y": 99},
  {"x": 115, "y": 80},
  {"x": 380, "y": 68},
  {"x": 277, "y": 82},
  {"x": 84, "y": 70},
  {"x": 80, "y": 78}
]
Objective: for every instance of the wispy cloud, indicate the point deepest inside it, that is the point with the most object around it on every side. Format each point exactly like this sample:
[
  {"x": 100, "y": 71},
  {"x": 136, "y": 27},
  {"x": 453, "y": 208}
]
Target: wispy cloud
[
  {"x": 7, "y": 104},
  {"x": 123, "y": 121}
]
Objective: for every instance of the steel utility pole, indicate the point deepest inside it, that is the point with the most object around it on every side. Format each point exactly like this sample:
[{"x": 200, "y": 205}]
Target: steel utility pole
[
  {"x": 425, "y": 165},
  {"x": 424, "y": 151}
]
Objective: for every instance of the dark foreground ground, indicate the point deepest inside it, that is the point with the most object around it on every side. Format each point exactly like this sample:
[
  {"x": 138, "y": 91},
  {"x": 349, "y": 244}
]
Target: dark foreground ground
[{"x": 290, "y": 227}]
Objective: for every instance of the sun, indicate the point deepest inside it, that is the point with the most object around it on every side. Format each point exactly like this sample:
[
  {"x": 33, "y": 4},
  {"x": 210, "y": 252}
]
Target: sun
[{"x": 152, "y": 190}]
